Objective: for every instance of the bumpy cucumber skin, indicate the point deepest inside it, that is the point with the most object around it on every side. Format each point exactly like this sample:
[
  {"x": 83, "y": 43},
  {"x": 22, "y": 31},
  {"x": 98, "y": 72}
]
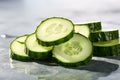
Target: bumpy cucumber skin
[
  {"x": 39, "y": 55},
  {"x": 59, "y": 41},
  {"x": 18, "y": 57},
  {"x": 84, "y": 62},
  {"x": 102, "y": 51},
  {"x": 94, "y": 26},
  {"x": 104, "y": 36},
  {"x": 80, "y": 63}
]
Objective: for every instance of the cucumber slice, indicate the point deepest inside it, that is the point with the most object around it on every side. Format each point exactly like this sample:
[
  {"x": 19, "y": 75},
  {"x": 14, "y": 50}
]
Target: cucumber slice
[
  {"x": 77, "y": 51},
  {"x": 94, "y": 26},
  {"x": 104, "y": 35},
  {"x": 35, "y": 50},
  {"x": 82, "y": 29},
  {"x": 55, "y": 30},
  {"x": 107, "y": 48},
  {"x": 17, "y": 48}
]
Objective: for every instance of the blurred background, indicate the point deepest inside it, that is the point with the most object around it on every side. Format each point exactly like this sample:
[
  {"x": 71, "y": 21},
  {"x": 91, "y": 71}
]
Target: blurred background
[{"x": 22, "y": 16}]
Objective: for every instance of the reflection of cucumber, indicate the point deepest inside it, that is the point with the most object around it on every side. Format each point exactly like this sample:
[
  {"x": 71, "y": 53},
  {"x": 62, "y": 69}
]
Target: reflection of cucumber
[
  {"x": 35, "y": 50},
  {"x": 17, "y": 48},
  {"x": 107, "y": 48},
  {"x": 104, "y": 35},
  {"x": 76, "y": 51},
  {"x": 55, "y": 30}
]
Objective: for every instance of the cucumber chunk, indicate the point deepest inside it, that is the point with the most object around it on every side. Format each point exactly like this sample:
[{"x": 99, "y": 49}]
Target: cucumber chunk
[
  {"x": 35, "y": 50},
  {"x": 104, "y": 35},
  {"x": 107, "y": 48},
  {"x": 17, "y": 48},
  {"x": 77, "y": 51},
  {"x": 55, "y": 30}
]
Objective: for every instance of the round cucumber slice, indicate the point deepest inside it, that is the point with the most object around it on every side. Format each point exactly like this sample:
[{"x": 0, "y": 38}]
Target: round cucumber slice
[
  {"x": 35, "y": 50},
  {"x": 104, "y": 35},
  {"x": 55, "y": 30},
  {"x": 77, "y": 51},
  {"x": 17, "y": 48},
  {"x": 82, "y": 29},
  {"x": 107, "y": 48}
]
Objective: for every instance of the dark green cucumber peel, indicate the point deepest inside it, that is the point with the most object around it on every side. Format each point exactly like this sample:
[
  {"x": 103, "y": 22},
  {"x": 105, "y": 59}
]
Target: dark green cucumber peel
[
  {"x": 86, "y": 61},
  {"x": 21, "y": 58},
  {"x": 104, "y": 35},
  {"x": 106, "y": 50},
  {"x": 62, "y": 40},
  {"x": 94, "y": 26},
  {"x": 38, "y": 55},
  {"x": 59, "y": 41},
  {"x": 16, "y": 56}
]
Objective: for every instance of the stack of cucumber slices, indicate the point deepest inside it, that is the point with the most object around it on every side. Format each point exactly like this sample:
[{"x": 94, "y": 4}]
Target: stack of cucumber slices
[
  {"x": 105, "y": 41},
  {"x": 65, "y": 43}
]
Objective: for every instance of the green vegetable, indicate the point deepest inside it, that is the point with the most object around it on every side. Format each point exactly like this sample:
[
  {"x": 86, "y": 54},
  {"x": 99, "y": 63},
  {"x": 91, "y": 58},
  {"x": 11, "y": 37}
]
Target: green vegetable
[
  {"x": 35, "y": 50},
  {"x": 82, "y": 29},
  {"x": 99, "y": 36},
  {"x": 17, "y": 48},
  {"x": 77, "y": 51},
  {"x": 107, "y": 48},
  {"x": 86, "y": 28},
  {"x": 94, "y": 26},
  {"x": 54, "y": 31}
]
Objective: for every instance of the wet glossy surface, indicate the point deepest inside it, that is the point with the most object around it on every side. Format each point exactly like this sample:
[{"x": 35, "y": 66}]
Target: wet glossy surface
[{"x": 22, "y": 17}]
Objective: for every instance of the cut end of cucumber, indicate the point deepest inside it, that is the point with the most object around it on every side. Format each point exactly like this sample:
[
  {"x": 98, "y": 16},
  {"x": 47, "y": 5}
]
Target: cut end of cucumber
[
  {"x": 76, "y": 50},
  {"x": 54, "y": 29}
]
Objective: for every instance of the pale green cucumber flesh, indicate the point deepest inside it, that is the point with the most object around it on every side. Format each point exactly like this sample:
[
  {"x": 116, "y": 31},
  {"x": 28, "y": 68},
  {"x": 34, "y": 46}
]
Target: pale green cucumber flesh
[
  {"x": 82, "y": 29},
  {"x": 73, "y": 52},
  {"x": 55, "y": 30},
  {"x": 35, "y": 50}
]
